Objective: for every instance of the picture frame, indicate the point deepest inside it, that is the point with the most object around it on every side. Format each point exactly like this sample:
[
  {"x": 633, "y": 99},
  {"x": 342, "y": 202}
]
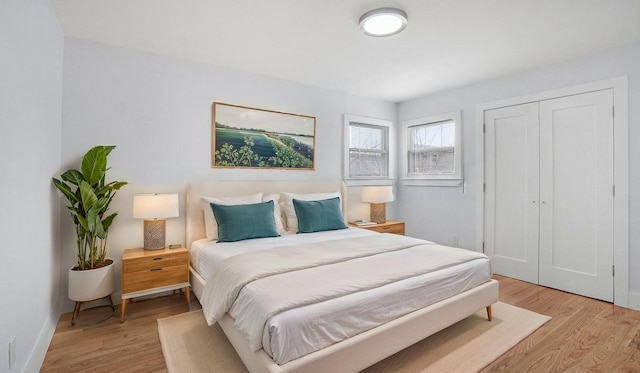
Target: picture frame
[{"x": 245, "y": 137}]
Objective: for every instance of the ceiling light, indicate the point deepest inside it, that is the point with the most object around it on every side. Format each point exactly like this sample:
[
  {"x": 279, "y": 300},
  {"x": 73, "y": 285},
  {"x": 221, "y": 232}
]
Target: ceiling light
[{"x": 383, "y": 22}]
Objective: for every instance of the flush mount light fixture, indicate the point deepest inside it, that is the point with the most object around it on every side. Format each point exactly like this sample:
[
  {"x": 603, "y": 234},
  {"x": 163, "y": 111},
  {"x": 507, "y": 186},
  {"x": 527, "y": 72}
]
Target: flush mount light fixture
[{"x": 383, "y": 22}]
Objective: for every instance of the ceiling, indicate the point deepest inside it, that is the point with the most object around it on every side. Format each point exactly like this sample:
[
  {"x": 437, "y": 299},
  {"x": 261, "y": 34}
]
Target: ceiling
[{"x": 447, "y": 43}]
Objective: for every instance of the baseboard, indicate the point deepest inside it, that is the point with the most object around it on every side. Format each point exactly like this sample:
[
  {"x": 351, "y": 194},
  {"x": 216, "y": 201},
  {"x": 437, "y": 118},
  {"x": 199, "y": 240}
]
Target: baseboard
[
  {"x": 39, "y": 351},
  {"x": 634, "y": 301}
]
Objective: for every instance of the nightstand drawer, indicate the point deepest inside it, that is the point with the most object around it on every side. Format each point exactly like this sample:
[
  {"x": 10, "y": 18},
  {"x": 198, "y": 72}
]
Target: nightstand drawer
[
  {"x": 146, "y": 263},
  {"x": 395, "y": 228},
  {"x": 154, "y": 277}
]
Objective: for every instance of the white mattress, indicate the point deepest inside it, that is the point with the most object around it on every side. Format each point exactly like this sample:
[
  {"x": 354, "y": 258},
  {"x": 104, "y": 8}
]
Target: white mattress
[
  {"x": 206, "y": 254},
  {"x": 299, "y": 331}
]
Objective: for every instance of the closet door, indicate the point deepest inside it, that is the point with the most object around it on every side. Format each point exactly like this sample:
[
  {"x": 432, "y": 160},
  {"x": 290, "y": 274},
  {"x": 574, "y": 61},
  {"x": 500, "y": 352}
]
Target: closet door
[
  {"x": 576, "y": 193},
  {"x": 512, "y": 190}
]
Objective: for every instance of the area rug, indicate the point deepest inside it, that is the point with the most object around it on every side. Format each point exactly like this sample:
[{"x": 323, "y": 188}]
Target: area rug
[{"x": 189, "y": 345}]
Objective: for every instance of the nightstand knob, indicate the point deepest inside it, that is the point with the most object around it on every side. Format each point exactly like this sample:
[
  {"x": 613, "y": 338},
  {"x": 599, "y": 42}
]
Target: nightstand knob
[
  {"x": 156, "y": 269},
  {"x": 159, "y": 258}
]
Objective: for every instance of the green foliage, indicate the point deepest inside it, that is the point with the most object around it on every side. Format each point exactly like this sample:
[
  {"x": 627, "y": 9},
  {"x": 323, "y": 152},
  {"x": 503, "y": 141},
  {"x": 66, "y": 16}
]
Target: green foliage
[
  {"x": 228, "y": 156},
  {"x": 288, "y": 158},
  {"x": 304, "y": 150},
  {"x": 243, "y": 149},
  {"x": 261, "y": 144},
  {"x": 89, "y": 197}
]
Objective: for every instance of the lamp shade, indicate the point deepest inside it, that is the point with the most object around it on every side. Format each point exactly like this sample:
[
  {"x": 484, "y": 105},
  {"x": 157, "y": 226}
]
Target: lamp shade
[
  {"x": 377, "y": 194},
  {"x": 155, "y": 206}
]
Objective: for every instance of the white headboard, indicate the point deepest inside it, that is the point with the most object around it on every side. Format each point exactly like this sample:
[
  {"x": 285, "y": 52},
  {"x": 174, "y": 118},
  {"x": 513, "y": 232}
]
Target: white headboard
[{"x": 194, "y": 229}]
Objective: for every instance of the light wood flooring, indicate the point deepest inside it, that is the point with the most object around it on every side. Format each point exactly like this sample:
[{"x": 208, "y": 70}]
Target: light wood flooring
[{"x": 585, "y": 335}]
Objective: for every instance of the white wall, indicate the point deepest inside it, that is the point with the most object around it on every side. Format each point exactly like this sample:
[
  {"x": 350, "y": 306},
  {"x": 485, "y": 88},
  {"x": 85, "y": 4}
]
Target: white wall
[
  {"x": 31, "y": 48},
  {"x": 157, "y": 111},
  {"x": 436, "y": 213}
]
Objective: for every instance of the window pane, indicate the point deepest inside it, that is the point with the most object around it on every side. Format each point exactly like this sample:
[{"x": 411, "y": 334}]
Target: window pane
[
  {"x": 368, "y": 152},
  {"x": 366, "y": 137},
  {"x": 367, "y": 163},
  {"x": 432, "y": 148}
]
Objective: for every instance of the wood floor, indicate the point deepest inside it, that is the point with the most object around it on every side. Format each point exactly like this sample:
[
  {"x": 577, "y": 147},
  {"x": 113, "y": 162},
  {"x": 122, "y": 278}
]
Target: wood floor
[{"x": 585, "y": 335}]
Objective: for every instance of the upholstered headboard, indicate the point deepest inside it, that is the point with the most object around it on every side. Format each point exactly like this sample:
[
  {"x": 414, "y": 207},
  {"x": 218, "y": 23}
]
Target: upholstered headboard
[{"x": 195, "y": 230}]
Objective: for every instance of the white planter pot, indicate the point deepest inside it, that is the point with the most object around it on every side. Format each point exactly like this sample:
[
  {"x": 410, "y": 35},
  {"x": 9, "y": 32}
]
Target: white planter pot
[{"x": 92, "y": 284}]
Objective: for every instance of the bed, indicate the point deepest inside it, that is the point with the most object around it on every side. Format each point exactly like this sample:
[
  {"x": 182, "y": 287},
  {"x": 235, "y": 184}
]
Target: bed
[{"x": 338, "y": 346}]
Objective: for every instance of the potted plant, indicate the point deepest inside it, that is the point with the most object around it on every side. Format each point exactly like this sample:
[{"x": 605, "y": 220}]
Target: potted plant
[{"x": 89, "y": 197}]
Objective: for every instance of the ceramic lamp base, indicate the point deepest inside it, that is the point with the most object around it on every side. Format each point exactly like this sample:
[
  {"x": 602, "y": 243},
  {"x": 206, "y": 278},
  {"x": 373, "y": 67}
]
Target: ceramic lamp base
[
  {"x": 378, "y": 213},
  {"x": 154, "y": 234}
]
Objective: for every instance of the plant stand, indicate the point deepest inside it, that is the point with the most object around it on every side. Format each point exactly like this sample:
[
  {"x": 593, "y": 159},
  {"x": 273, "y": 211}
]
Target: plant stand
[
  {"x": 91, "y": 285},
  {"x": 76, "y": 310}
]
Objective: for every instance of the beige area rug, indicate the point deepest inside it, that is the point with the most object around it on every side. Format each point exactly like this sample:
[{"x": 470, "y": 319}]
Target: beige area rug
[{"x": 189, "y": 345}]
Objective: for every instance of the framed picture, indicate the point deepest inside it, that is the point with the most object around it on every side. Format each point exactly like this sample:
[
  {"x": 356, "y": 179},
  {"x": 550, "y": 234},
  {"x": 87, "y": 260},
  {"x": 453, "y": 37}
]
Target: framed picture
[{"x": 244, "y": 137}]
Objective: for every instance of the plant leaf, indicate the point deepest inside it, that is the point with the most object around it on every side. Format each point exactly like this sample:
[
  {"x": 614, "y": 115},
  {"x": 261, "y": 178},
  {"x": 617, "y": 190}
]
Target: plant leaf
[
  {"x": 101, "y": 205},
  {"x": 93, "y": 221},
  {"x": 101, "y": 231},
  {"x": 107, "y": 149},
  {"x": 88, "y": 196},
  {"x": 118, "y": 184},
  {"x": 83, "y": 222},
  {"x": 66, "y": 190},
  {"x": 94, "y": 165},
  {"x": 106, "y": 222},
  {"x": 72, "y": 176}
]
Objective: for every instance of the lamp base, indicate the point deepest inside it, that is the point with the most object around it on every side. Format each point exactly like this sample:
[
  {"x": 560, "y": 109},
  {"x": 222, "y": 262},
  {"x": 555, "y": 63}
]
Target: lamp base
[
  {"x": 154, "y": 234},
  {"x": 378, "y": 213}
]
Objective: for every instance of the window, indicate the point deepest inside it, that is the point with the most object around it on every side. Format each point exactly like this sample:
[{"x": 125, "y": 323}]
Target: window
[
  {"x": 432, "y": 150},
  {"x": 367, "y": 149},
  {"x": 368, "y": 155}
]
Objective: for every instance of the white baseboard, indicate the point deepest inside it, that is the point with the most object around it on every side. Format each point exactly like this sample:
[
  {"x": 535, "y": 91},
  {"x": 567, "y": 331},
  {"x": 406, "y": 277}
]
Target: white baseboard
[
  {"x": 634, "y": 301},
  {"x": 39, "y": 351}
]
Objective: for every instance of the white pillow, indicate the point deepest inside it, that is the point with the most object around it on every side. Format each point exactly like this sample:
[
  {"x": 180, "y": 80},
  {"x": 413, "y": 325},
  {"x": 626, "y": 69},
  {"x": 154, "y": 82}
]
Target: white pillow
[
  {"x": 290, "y": 211},
  {"x": 277, "y": 212},
  {"x": 210, "y": 224}
]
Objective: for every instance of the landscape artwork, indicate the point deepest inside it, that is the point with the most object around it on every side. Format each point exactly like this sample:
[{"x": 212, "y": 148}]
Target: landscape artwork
[{"x": 256, "y": 138}]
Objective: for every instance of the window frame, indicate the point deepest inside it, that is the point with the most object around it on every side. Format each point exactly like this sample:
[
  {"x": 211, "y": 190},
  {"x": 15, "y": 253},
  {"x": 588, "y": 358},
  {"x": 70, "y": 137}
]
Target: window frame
[
  {"x": 391, "y": 151},
  {"x": 453, "y": 179}
]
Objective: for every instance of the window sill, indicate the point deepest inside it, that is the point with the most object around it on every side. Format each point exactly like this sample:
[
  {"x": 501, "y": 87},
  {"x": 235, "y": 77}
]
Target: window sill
[{"x": 432, "y": 182}]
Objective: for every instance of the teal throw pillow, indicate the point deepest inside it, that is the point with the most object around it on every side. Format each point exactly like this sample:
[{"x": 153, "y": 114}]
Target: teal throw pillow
[
  {"x": 318, "y": 216},
  {"x": 242, "y": 222}
]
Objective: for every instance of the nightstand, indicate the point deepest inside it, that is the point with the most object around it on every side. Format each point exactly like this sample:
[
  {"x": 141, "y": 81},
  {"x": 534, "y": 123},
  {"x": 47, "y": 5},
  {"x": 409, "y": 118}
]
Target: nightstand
[
  {"x": 390, "y": 226},
  {"x": 146, "y": 272}
]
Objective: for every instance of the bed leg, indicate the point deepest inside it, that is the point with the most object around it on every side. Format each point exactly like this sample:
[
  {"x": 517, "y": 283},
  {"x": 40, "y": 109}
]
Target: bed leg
[{"x": 489, "y": 316}]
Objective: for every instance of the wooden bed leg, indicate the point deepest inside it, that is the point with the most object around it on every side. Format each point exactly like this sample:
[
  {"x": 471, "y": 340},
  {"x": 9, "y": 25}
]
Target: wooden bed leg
[{"x": 489, "y": 316}]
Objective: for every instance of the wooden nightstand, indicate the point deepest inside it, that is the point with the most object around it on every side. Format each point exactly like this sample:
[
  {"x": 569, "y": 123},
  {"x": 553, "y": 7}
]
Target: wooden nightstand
[
  {"x": 390, "y": 226},
  {"x": 146, "y": 272}
]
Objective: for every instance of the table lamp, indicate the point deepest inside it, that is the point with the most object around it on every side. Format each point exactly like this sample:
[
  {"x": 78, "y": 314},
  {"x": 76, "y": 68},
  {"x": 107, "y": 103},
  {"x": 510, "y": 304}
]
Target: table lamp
[
  {"x": 154, "y": 209},
  {"x": 377, "y": 196}
]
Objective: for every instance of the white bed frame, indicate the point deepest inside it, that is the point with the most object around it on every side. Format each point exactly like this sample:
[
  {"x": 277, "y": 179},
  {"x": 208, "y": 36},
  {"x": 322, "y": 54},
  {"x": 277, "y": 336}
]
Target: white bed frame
[{"x": 353, "y": 354}]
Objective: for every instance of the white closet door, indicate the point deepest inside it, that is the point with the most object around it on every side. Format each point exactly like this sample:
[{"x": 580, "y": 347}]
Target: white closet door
[
  {"x": 576, "y": 193},
  {"x": 512, "y": 190}
]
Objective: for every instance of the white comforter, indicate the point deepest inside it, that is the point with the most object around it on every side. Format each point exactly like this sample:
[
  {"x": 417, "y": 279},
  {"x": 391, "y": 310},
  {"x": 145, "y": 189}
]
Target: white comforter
[{"x": 261, "y": 284}]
